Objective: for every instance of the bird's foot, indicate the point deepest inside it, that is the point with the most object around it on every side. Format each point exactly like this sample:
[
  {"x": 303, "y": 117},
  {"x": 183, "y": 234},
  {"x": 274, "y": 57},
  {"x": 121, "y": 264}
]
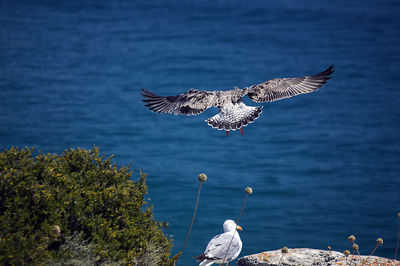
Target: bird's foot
[
  {"x": 227, "y": 133},
  {"x": 241, "y": 131}
]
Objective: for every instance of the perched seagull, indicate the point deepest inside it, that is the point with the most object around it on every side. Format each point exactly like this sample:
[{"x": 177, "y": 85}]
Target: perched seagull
[
  {"x": 217, "y": 247},
  {"x": 233, "y": 113}
]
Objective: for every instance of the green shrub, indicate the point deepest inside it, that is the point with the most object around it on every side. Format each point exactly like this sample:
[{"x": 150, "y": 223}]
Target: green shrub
[{"x": 46, "y": 200}]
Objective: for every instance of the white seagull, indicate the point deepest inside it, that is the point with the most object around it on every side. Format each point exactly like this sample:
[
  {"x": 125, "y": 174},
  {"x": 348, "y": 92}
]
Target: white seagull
[
  {"x": 233, "y": 113},
  {"x": 216, "y": 250}
]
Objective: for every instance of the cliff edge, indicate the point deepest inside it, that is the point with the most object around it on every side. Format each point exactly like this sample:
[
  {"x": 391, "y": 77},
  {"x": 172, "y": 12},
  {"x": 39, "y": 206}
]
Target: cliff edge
[{"x": 314, "y": 257}]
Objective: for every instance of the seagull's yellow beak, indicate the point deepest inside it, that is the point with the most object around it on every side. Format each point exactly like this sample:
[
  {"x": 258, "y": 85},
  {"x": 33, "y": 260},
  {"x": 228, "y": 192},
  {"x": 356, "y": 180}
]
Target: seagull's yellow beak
[{"x": 239, "y": 228}]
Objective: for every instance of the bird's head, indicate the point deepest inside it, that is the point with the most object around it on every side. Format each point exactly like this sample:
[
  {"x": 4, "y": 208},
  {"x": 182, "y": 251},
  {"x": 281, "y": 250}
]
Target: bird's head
[{"x": 230, "y": 225}]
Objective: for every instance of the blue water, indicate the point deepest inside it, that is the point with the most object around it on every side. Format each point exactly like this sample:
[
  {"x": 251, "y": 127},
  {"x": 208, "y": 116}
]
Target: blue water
[{"x": 322, "y": 166}]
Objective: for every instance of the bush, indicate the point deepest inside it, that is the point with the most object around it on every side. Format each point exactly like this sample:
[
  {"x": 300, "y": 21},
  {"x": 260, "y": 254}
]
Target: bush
[{"x": 48, "y": 200}]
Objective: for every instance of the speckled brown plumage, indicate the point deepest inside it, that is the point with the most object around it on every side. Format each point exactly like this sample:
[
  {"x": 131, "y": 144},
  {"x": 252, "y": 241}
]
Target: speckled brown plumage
[{"x": 233, "y": 113}]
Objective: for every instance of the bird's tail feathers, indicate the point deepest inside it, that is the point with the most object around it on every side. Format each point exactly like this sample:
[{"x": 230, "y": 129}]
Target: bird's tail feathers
[
  {"x": 200, "y": 257},
  {"x": 234, "y": 116},
  {"x": 204, "y": 260}
]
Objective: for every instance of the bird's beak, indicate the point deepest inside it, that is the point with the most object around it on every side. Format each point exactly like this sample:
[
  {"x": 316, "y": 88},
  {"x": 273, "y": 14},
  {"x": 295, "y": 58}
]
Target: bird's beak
[{"x": 239, "y": 228}]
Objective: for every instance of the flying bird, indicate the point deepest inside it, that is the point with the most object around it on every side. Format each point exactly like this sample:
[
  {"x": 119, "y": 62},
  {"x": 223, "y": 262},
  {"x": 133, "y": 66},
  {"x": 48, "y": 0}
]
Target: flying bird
[
  {"x": 233, "y": 112},
  {"x": 216, "y": 251}
]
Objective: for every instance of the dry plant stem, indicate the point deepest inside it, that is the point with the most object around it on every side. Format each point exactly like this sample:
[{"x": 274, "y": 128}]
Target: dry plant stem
[
  {"x": 352, "y": 256},
  {"x": 397, "y": 245},
  {"x": 223, "y": 261},
  {"x": 194, "y": 215},
  {"x": 370, "y": 254},
  {"x": 279, "y": 263},
  {"x": 360, "y": 257},
  {"x": 353, "y": 260},
  {"x": 244, "y": 202}
]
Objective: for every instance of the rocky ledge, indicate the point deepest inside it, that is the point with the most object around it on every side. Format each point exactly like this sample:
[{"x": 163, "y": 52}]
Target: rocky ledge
[{"x": 314, "y": 257}]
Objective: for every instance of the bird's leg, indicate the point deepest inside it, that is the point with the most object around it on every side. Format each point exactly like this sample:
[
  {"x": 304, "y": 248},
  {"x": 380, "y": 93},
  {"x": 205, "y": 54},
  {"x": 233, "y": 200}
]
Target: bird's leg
[
  {"x": 241, "y": 131},
  {"x": 227, "y": 133}
]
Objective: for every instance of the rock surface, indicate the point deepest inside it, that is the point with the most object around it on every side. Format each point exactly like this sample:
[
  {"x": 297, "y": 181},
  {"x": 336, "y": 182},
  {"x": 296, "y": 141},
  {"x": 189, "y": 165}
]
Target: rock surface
[{"x": 308, "y": 256}]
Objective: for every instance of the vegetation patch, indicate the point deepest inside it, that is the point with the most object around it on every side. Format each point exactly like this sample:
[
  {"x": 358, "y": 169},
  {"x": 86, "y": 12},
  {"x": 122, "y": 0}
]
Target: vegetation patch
[{"x": 75, "y": 208}]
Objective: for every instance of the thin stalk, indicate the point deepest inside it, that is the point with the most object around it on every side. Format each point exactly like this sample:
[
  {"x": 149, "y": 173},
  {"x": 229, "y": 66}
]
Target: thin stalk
[
  {"x": 244, "y": 202},
  {"x": 279, "y": 263},
  {"x": 370, "y": 254},
  {"x": 360, "y": 256},
  {"x": 194, "y": 215},
  {"x": 397, "y": 246}
]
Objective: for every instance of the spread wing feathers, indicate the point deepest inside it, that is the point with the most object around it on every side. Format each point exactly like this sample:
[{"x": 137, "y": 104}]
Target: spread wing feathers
[
  {"x": 217, "y": 247},
  {"x": 234, "y": 116},
  {"x": 193, "y": 102},
  {"x": 280, "y": 88}
]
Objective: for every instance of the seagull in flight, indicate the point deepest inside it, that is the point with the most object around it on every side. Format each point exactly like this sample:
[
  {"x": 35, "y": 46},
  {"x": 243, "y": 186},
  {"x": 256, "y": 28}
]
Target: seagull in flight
[
  {"x": 233, "y": 113},
  {"x": 216, "y": 251}
]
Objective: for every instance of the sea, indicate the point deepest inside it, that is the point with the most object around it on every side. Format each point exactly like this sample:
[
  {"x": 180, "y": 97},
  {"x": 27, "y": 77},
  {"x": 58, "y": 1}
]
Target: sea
[{"x": 322, "y": 166}]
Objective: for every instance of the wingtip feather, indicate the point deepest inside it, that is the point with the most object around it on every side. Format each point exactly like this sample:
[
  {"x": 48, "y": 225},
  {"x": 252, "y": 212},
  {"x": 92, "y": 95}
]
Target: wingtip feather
[{"x": 327, "y": 72}]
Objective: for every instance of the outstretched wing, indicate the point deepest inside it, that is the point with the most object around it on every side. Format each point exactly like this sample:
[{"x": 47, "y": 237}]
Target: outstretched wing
[
  {"x": 277, "y": 89},
  {"x": 193, "y": 102}
]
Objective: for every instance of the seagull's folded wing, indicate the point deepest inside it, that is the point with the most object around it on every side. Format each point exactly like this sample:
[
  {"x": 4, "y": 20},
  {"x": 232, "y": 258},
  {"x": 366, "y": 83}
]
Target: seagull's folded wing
[{"x": 217, "y": 247}]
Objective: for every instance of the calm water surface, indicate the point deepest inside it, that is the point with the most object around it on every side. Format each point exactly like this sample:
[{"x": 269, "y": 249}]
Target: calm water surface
[{"x": 322, "y": 166}]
